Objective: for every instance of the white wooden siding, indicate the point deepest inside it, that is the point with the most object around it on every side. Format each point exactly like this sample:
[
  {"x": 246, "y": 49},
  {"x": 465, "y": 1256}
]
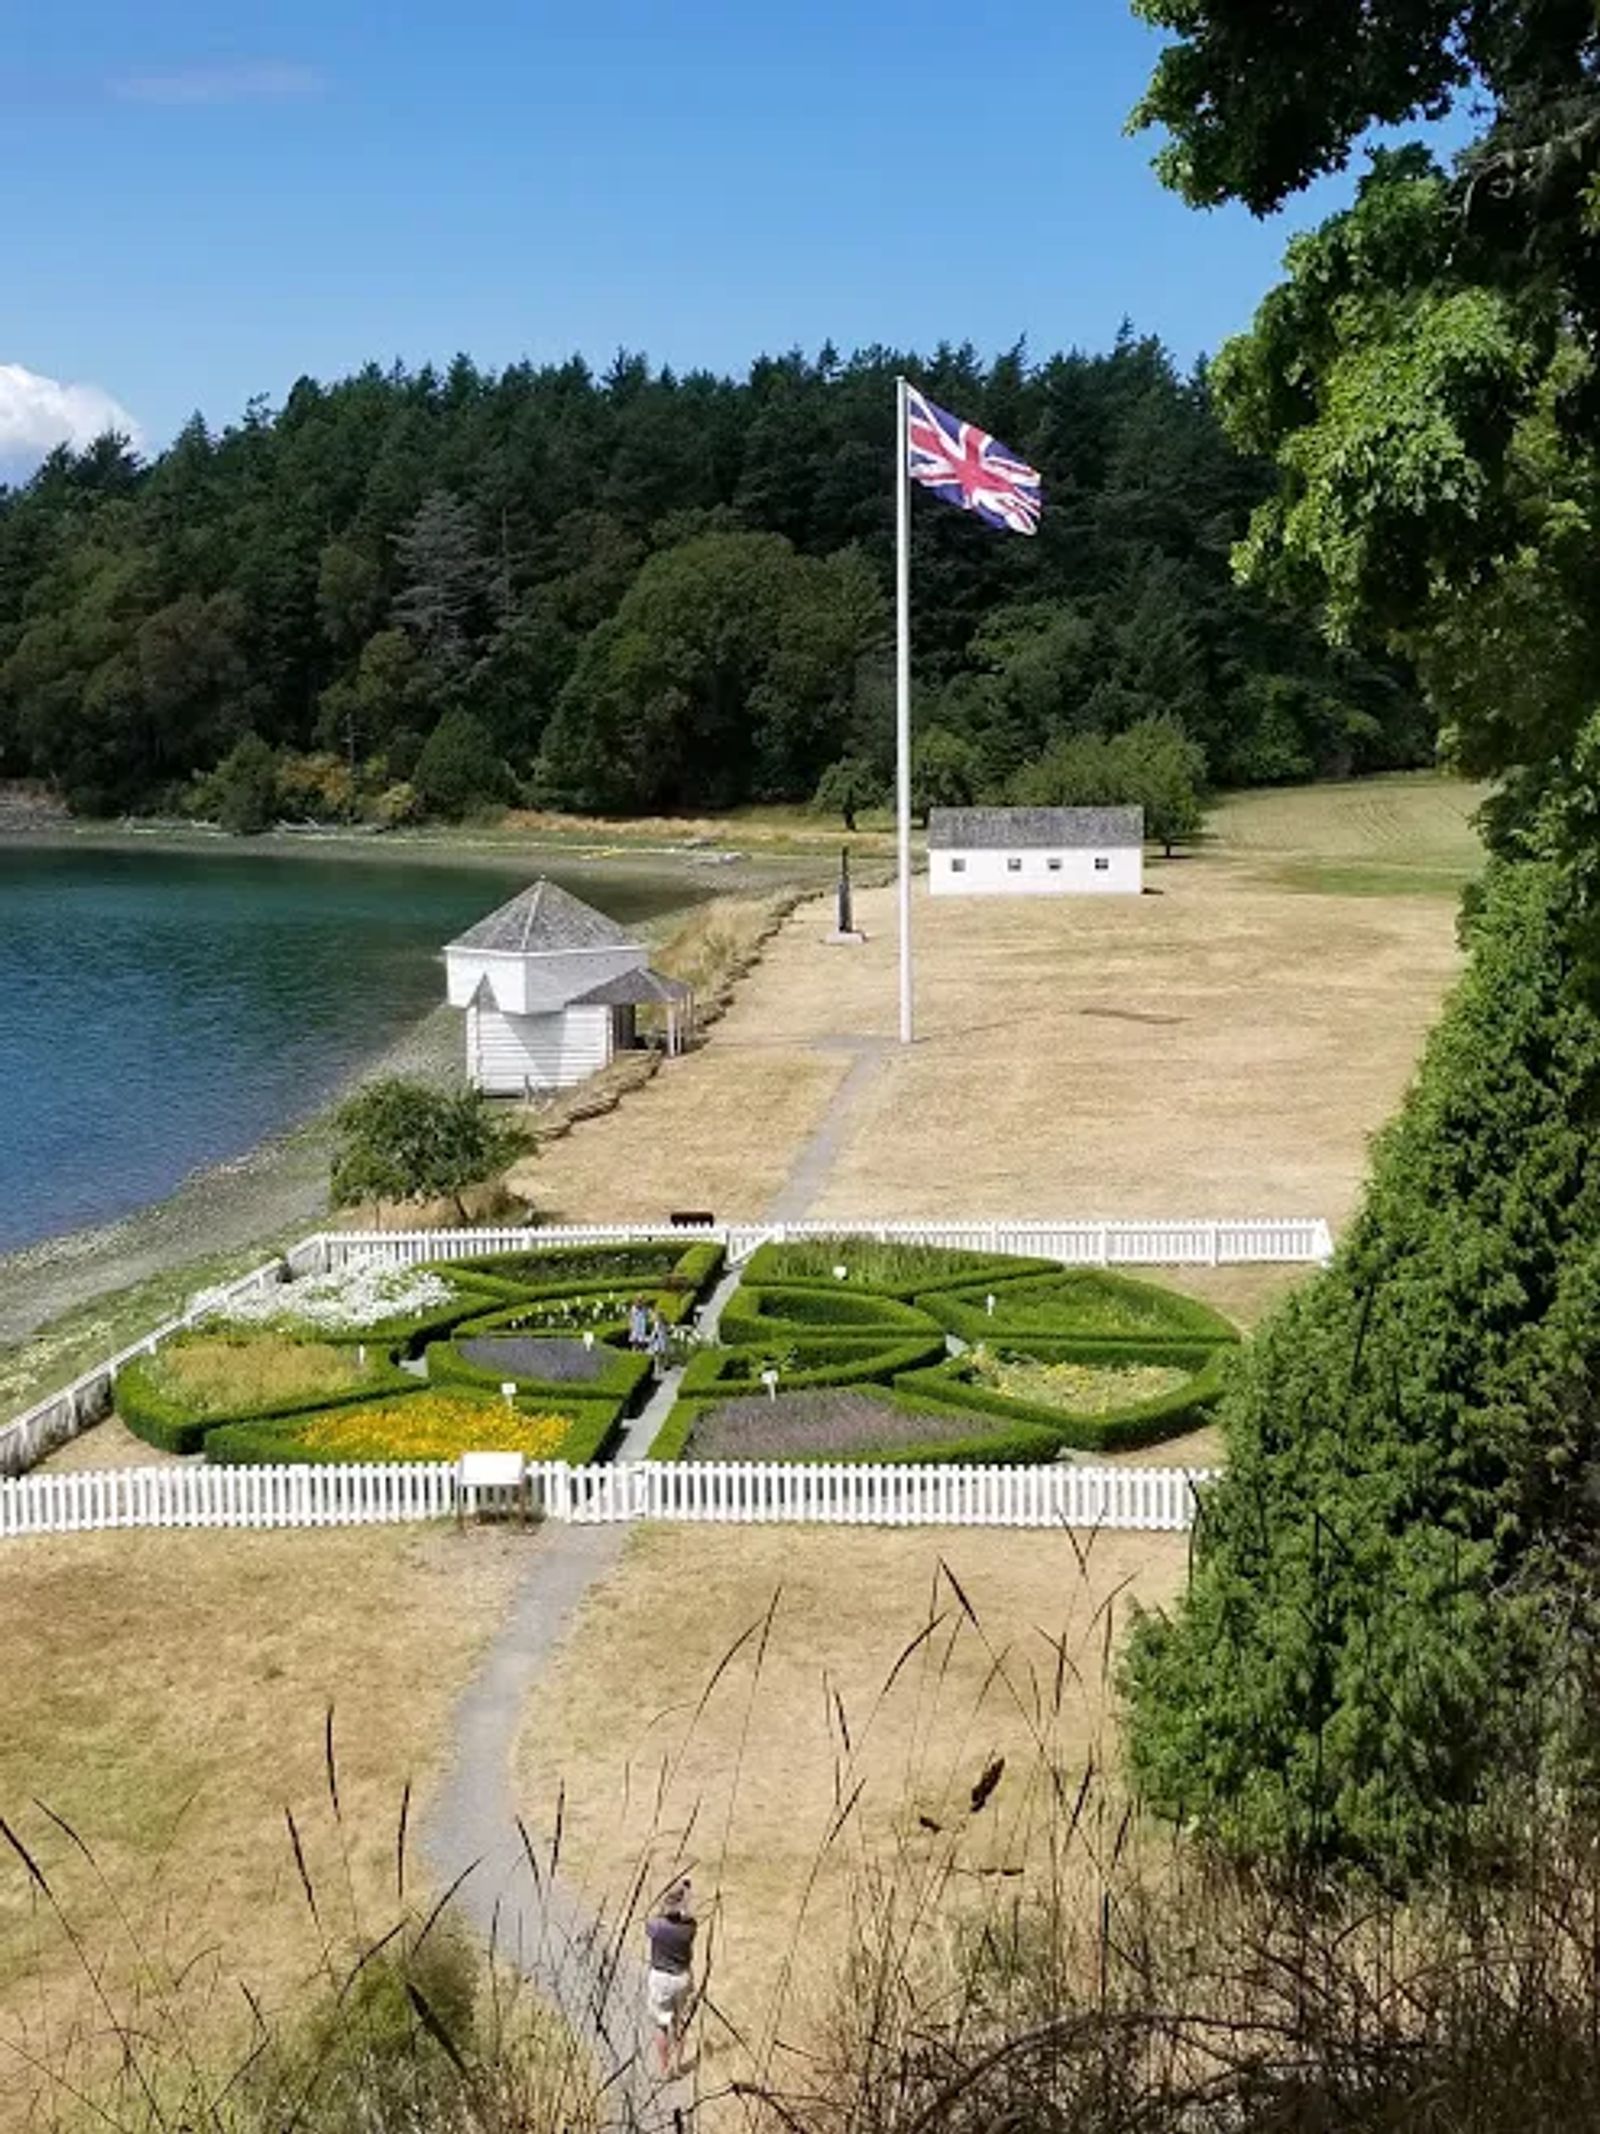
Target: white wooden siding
[
  {"x": 507, "y": 1054},
  {"x": 990, "y": 873}
]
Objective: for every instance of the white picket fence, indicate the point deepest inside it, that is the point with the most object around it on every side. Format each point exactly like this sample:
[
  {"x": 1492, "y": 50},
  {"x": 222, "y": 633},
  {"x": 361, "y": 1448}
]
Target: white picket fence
[
  {"x": 1184, "y": 1243},
  {"x": 1148, "y": 1499},
  {"x": 1187, "y": 1243}
]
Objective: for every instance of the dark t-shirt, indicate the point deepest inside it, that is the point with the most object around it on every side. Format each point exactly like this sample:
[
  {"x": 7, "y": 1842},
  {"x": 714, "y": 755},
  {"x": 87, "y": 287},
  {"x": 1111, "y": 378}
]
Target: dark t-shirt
[{"x": 671, "y": 1943}]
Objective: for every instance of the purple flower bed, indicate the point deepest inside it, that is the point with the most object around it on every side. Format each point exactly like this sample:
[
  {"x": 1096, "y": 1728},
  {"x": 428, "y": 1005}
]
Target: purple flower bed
[
  {"x": 556, "y": 1362},
  {"x": 820, "y": 1420}
]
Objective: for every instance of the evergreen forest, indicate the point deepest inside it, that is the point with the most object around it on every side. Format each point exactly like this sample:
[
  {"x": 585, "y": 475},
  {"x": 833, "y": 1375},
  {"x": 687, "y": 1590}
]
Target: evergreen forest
[{"x": 430, "y": 592}]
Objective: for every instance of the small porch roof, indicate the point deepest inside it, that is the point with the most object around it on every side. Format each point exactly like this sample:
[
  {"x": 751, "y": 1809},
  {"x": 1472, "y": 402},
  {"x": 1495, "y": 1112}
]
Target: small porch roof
[{"x": 636, "y": 988}]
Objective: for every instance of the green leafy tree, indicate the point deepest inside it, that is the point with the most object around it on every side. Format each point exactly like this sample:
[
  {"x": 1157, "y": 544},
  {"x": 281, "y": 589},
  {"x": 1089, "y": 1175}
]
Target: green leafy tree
[
  {"x": 848, "y": 787},
  {"x": 243, "y": 789},
  {"x": 946, "y": 771},
  {"x": 1164, "y": 774},
  {"x": 398, "y": 1139},
  {"x": 459, "y": 768},
  {"x": 1386, "y": 1651},
  {"x": 1389, "y": 1633}
]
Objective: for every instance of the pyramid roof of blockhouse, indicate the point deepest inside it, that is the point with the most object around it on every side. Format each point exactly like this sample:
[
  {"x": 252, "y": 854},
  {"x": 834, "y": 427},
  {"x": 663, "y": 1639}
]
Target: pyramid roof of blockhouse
[{"x": 544, "y": 920}]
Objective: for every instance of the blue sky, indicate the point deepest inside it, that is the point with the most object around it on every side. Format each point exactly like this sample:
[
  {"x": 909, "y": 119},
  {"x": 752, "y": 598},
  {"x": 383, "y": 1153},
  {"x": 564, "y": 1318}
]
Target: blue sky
[{"x": 209, "y": 201}]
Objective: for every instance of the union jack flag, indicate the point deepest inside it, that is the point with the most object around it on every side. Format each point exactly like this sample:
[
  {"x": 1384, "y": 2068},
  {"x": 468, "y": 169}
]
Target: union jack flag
[{"x": 968, "y": 467}]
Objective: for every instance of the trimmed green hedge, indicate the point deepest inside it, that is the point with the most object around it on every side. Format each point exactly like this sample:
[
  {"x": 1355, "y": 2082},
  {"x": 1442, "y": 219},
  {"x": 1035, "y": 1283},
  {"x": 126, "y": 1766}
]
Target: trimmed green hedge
[
  {"x": 754, "y": 1314},
  {"x": 171, "y": 1426},
  {"x": 1079, "y": 1304},
  {"x": 625, "y": 1370},
  {"x": 642, "y": 1264},
  {"x": 1143, "y": 1423},
  {"x": 278, "y": 1441},
  {"x": 1022, "y": 1444},
  {"x": 816, "y": 1363},
  {"x": 808, "y": 1264}
]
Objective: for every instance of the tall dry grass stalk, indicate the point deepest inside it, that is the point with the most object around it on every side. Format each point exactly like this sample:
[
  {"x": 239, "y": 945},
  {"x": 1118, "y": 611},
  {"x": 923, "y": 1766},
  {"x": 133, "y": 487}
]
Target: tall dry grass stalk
[
  {"x": 401, "y": 2024},
  {"x": 1011, "y": 1950}
]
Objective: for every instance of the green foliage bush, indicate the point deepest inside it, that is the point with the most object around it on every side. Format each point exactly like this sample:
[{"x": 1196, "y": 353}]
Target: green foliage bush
[
  {"x": 152, "y": 1413},
  {"x": 1385, "y": 1651},
  {"x": 402, "y": 1139},
  {"x": 1081, "y": 1302},
  {"x": 1118, "y": 1430},
  {"x": 887, "y": 1268}
]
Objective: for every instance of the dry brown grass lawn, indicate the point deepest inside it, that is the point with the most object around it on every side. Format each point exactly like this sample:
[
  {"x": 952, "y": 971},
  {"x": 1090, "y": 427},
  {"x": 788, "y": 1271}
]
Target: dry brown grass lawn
[
  {"x": 743, "y": 1773},
  {"x": 171, "y": 1707},
  {"x": 1226, "y": 1044}
]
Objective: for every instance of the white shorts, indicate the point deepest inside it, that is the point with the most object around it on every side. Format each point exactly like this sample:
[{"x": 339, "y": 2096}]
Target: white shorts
[{"x": 668, "y": 1990}]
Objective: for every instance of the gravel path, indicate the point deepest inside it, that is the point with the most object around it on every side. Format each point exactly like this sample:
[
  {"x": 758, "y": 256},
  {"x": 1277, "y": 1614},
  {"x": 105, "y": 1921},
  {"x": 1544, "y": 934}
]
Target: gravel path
[{"x": 590, "y": 1966}]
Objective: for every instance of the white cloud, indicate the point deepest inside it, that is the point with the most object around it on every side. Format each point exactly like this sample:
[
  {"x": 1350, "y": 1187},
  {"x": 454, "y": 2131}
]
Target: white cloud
[
  {"x": 36, "y": 414},
  {"x": 247, "y": 81}
]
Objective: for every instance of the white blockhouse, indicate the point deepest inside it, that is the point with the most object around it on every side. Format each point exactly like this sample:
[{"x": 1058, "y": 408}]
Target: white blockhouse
[
  {"x": 1032, "y": 852},
  {"x": 553, "y": 991}
]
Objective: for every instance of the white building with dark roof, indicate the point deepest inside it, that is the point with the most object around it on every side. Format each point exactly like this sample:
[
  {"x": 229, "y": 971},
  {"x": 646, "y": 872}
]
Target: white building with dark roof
[
  {"x": 553, "y": 991},
  {"x": 1034, "y": 852}
]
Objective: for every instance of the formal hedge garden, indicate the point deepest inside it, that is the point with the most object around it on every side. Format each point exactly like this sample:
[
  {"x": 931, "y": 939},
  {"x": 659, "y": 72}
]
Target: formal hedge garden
[
  {"x": 837, "y": 1348},
  {"x": 314, "y": 1369}
]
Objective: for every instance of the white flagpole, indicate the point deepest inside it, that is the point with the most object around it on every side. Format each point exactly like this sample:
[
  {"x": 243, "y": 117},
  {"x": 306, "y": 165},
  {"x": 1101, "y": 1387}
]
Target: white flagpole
[{"x": 902, "y": 678}]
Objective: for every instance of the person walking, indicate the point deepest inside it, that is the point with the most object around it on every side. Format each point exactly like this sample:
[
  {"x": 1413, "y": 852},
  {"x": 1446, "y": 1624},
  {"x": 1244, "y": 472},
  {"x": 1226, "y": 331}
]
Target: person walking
[
  {"x": 638, "y": 1324},
  {"x": 659, "y": 1344},
  {"x": 671, "y": 1936}
]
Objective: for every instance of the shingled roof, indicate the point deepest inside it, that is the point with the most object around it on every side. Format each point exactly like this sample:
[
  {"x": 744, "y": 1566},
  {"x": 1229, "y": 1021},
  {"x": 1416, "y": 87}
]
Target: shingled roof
[
  {"x": 1028, "y": 829},
  {"x": 544, "y": 920}
]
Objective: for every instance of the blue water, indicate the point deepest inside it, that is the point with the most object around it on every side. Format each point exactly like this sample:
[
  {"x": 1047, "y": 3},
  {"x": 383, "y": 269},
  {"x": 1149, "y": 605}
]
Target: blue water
[{"x": 162, "y": 1011}]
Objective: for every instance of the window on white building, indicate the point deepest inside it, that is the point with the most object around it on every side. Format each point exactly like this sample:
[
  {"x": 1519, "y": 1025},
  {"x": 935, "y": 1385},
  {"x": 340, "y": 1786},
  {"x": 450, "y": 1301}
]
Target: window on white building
[
  {"x": 958, "y": 866},
  {"x": 1100, "y": 864},
  {"x": 1013, "y": 865},
  {"x": 1053, "y": 863}
]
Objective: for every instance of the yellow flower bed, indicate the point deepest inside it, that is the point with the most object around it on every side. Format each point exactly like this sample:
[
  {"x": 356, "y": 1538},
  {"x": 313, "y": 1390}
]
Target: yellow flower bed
[{"x": 432, "y": 1426}]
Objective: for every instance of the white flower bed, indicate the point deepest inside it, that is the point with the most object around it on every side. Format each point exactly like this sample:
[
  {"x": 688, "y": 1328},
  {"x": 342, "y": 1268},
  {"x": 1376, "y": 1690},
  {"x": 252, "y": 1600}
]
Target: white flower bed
[{"x": 350, "y": 1298}]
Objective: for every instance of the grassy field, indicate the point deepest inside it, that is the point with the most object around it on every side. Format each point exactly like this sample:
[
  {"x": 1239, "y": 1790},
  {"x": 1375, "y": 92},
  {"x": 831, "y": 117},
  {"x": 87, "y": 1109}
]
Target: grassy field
[
  {"x": 170, "y": 1707},
  {"x": 785, "y": 1774},
  {"x": 1224, "y": 1045}
]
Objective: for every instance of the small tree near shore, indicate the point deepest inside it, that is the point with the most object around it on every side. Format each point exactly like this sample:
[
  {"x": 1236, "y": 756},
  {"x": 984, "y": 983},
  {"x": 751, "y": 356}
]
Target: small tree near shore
[
  {"x": 848, "y": 787},
  {"x": 399, "y": 1139}
]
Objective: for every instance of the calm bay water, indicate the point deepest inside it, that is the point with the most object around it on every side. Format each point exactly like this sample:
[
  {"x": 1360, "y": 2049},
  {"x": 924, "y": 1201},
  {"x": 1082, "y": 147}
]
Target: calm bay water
[{"x": 160, "y": 1011}]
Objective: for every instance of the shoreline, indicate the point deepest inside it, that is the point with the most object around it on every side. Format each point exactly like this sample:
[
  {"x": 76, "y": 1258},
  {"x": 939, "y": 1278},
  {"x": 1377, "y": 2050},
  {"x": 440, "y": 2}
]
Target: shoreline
[
  {"x": 226, "y": 1215},
  {"x": 254, "y": 1201}
]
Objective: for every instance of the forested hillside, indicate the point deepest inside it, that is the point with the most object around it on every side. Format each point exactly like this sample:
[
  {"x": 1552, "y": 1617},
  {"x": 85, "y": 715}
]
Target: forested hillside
[{"x": 435, "y": 590}]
